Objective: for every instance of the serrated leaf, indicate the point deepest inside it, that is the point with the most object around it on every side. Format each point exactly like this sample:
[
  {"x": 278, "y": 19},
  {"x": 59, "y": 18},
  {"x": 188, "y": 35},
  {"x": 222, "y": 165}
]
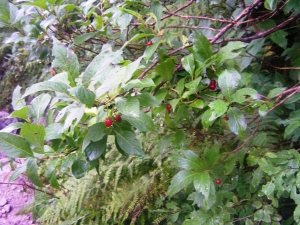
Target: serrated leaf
[
  {"x": 157, "y": 9},
  {"x": 228, "y": 82},
  {"x": 66, "y": 60},
  {"x": 241, "y": 95},
  {"x": 85, "y": 97},
  {"x": 166, "y": 68},
  {"x": 95, "y": 133},
  {"x": 229, "y": 51},
  {"x": 188, "y": 63},
  {"x": 189, "y": 160},
  {"x": 199, "y": 104},
  {"x": 142, "y": 123},
  {"x": 84, "y": 37},
  {"x": 95, "y": 149},
  {"x": 181, "y": 180},
  {"x": 149, "y": 51},
  {"x": 279, "y": 37},
  {"x": 35, "y": 135},
  {"x": 128, "y": 142},
  {"x": 31, "y": 172},
  {"x": 14, "y": 146},
  {"x": 39, "y": 105},
  {"x": 237, "y": 121},
  {"x": 54, "y": 131},
  {"x": 79, "y": 168},
  {"x": 137, "y": 83},
  {"x": 267, "y": 168},
  {"x": 211, "y": 156},
  {"x": 202, "y": 183},
  {"x": 20, "y": 113},
  {"x": 268, "y": 189},
  {"x": 48, "y": 86},
  {"x": 218, "y": 108},
  {"x": 262, "y": 215},
  {"x": 270, "y": 4},
  {"x": 128, "y": 106},
  {"x": 147, "y": 99},
  {"x": 275, "y": 92},
  {"x": 202, "y": 47}
]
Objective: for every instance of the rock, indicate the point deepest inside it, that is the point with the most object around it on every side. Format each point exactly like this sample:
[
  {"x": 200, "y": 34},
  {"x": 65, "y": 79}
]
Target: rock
[
  {"x": 7, "y": 208},
  {"x": 3, "y": 201},
  {"x": 4, "y": 121}
]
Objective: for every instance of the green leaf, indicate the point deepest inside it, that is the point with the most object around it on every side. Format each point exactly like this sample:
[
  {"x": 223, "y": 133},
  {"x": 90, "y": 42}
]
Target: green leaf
[
  {"x": 205, "y": 118},
  {"x": 79, "y": 168},
  {"x": 17, "y": 101},
  {"x": 75, "y": 112},
  {"x": 270, "y": 4},
  {"x": 131, "y": 12},
  {"x": 181, "y": 180},
  {"x": 229, "y": 51},
  {"x": 241, "y": 95},
  {"x": 149, "y": 51},
  {"x": 35, "y": 135},
  {"x": 260, "y": 139},
  {"x": 228, "y": 82},
  {"x": 180, "y": 86},
  {"x": 237, "y": 121},
  {"x": 202, "y": 183},
  {"x": 202, "y": 47},
  {"x": 38, "y": 3},
  {"x": 68, "y": 162},
  {"x": 136, "y": 37},
  {"x": 157, "y": 9},
  {"x": 275, "y": 92},
  {"x": 47, "y": 86},
  {"x": 31, "y": 172},
  {"x": 166, "y": 68},
  {"x": 211, "y": 156},
  {"x": 189, "y": 160},
  {"x": 147, "y": 99},
  {"x": 99, "y": 68},
  {"x": 21, "y": 169},
  {"x": 218, "y": 108},
  {"x": 136, "y": 83},
  {"x": 291, "y": 128},
  {"x": 54, "y": 131},
  {"x": 297, "y": 214},
  {"x": 268, "y": 189},
  {"x": 95, "y": 149},
  {"x": 128, "y": 106},
  {"x": 263, "y": 110},
  {"x": 95, "y": 133},
  {"x": 292, "y": 5},
  {"x": 20, "y": 113},
  {"x": 51, "y": 172},
  {"x": 188, "y": 63},
  {"x": 279, "y": 37},
  {"x": 128, "y": 142},
  {"x": 193, "y": 84},
  {"x": 85, "y": 97},
  {"x": 4, "y": 13},
  {"x": 142, "y": 123},
  {"x": 14, "y": 146},
  {"x": 199, "y": 104},
  {"x": 229, "y": 163},
  {"x": 262, "y": 215},
  {"x": 11, "y": 127},
  {"x": 39, "y": 105},
  {"x": 84, "y": 37},
  {"x": 66, "y": 60},
  {"x": 267, "y": 167}
]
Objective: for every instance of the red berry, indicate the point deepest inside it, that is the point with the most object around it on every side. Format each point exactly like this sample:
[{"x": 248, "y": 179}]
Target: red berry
[
  {"x": 169, "y": 107},
  {"x": 149, "y": 43},
  {"x": 212, "y": 86},
  {"x": 118, "y": 118},
  {"x": 218, "y": 181},
  {"x": 226, "y": 118},
  {"x": 213, "y": 82},
  {"x": 108, "y": 122}
]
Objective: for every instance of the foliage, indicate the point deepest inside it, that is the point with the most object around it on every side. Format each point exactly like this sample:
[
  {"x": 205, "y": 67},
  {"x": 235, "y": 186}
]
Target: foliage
[{"x": 209, "y": 105}]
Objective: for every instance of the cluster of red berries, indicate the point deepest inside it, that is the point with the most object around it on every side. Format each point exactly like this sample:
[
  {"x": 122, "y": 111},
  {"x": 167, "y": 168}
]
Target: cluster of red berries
[
  {"x": 108, "y": 122},
  {"x": 212, "y": 85},
  {"x": 168, "y": 108}
]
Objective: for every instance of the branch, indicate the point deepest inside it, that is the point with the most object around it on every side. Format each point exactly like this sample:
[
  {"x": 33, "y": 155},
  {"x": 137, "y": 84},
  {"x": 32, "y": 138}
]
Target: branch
[
  {"x": 228, "y": 26},
  {"x": 261, "y": 34}
]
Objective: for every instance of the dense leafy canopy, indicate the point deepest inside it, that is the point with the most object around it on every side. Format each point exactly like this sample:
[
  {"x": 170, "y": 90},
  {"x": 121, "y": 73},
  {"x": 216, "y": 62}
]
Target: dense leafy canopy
[{"x": 207, "y": 91}]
